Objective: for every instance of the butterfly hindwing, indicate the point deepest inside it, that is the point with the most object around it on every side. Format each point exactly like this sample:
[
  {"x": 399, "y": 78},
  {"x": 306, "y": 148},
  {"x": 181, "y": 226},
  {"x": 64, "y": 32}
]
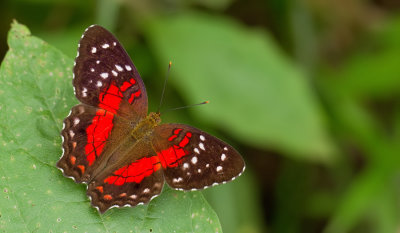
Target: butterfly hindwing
[
  {"x": 87, "y": 135},
  {"x": 105, "y": 76},
  {"x": 193, "y": 159},
  {"x": 137, "y": 182},
  {"x": 78, "y": 147},
  {"x": 117, "y": 190}
]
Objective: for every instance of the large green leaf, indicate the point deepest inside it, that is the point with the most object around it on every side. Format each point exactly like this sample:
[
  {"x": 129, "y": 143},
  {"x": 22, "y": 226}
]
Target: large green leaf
[
  {"x": 35, "y": 95},
  {"x": 255, "y": 93}
]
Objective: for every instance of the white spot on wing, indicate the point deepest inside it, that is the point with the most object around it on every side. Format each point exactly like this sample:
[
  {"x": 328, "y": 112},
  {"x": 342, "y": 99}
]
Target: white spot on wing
[
  {"x": 114, "y": 73},
  {"x": 105, "y": 46},
  {"x": 99, "y": 84},
  {"x": 119, "y": 68},
  {"x": 196, "y": 150},
  {"x": 84, "y": 94},
  {"x": 128, "y": 68},
  {"x": 201, "y": 145},
  {"x": 104, "y": 75},
  {"x": 223, "y": 157},
  {"x": 202, "y": 138},
  {"x": 194, "y": 160},
  {"x": 146, "y": 190},
  {"x": 185, "y": 165},
  {"x": 177, "y": 180},
  {"x": 92, "y": 69},
  {"x": 94, "y": 50},
  {"x": 98, "y": 62},
  {"x": 76, "y": 121},
  {"x": 219, "y": 168},
  {"x": 225, "y": 148}
]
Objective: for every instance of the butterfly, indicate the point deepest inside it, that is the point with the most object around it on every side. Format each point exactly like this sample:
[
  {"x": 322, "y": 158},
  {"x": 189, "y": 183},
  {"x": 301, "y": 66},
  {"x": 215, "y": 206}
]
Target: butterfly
[{"x": 121, "y": 152}]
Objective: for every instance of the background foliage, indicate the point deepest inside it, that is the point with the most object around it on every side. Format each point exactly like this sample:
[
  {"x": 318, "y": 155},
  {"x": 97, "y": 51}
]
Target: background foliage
[{"x": 307, "y": 91}]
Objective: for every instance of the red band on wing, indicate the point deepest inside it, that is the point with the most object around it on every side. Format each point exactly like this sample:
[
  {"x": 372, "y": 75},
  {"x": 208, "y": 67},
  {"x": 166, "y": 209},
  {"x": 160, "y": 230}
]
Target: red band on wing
[
  {"x": 176, "y": 131},
  {"x": 97, "y": 134},
  {"x": 134, "y": 172},
  {"x": 137, "y": 171},
  {"x": 185, "y": 139},
  {"x": 126, "y": 85},
  {"x": 171, "y": 156},
  {"x": 111, "y": 98},
  {"x": 175, "y": 135},
  {"x": 102, "y": 122},
  {"x": 133, "y": 96}
]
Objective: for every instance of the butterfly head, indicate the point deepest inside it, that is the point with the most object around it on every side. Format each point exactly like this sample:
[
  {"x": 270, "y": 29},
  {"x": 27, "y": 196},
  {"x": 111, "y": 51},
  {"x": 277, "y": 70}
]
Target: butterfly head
[{"x": 154, "y": 118}]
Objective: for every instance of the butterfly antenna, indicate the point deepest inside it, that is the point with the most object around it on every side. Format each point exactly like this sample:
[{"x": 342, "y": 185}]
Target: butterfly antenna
[
  {"x": 165, "y": 84},
  {"x": 188, "y": 106}
]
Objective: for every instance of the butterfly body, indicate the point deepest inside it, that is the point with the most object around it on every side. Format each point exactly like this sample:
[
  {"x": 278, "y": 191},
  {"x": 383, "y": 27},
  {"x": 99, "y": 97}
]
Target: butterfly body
[{"x": 122, "y": 153}]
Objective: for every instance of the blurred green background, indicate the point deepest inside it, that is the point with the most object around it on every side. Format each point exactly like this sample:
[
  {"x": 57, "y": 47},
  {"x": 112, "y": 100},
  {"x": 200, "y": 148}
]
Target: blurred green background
[{"x": 307, "y": 90}]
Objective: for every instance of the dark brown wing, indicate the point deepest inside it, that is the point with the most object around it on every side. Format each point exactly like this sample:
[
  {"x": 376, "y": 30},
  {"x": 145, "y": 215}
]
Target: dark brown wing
[
  {"x": 193, "y": 159},
  {"x": 88, "y": 134},
  {"x": 134, "y": 182},
  {"x": 105, "y": 76}
]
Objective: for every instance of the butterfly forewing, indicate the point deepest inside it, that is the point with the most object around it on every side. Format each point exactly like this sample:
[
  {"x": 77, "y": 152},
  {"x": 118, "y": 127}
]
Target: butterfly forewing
[
  {"x": 105, "y": 77},
  {"x": 193, "y": 159}
]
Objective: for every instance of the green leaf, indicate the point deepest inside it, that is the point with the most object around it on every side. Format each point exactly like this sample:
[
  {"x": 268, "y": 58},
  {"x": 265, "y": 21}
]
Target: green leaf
[
  {"x": 255, "y": 93},
  {"x": 35, "y": 95}
]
